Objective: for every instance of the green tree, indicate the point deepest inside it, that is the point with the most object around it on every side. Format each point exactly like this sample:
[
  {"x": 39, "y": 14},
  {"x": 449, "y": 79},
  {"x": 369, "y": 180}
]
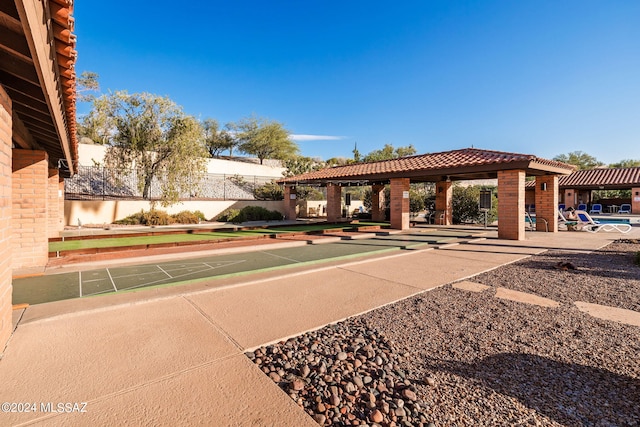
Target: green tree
[
  {"x": 87, "y": 84},
  {"x": 579, "y": 159},
  {"x": 98, "y": 124},
  {"x": 264, "y": 139},
  {"x": 388, "y": 152},
  {"x": 627, "y": 163},
  {"x": 297, "y": 165},
  {"x": 466, "y": 205},
  {"x": 217, "y": 140},
  {"x": 152, "y": 136}
]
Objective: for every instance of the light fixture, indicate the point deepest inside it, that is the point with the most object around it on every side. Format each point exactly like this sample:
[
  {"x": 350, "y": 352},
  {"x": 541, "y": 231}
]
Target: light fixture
[{"x": 543, "y": 186}]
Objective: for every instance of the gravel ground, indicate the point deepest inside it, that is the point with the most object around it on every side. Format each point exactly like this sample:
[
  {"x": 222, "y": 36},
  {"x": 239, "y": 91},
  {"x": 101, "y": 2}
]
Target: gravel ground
[{"x": 455, "y": 358}]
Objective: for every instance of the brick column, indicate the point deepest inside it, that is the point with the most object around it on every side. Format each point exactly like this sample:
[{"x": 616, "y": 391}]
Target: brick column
[
  {"x": 444, "y": 203},
  {"x": 290, "y": 202},
  {"x": 635, "y": 200},
  {"x": 569, "y": 198},
  {"x": 511, "y": 204},
  {"x": 547, "y": 203},
  {"x": 6, "y": 126},
  {"x": 55, "y": 204},
  {"x": 334, "y": 202},
  {"x": 30, "y": 180},
  {"x": 400, "y": 203},
  {"x": 377, "y": 203}
]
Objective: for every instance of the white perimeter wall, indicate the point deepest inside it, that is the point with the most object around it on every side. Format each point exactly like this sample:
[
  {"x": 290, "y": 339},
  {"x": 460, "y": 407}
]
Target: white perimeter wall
[
  {"x": 108, "y": 211},
  {"x": 89, "y": 155}
]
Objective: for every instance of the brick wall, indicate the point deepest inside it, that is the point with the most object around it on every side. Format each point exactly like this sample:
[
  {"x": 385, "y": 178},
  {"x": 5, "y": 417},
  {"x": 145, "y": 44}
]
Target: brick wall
[
  {"x": 334, "y": 202},
  {"x": 377, "y": 203},
  {"x": 444, "y": 203},
  {"x": 5, "y": 217},
  {"x": 635, "y": 200},
  {"x": 30, "y": 192},
  {"x": 400, "y": 203},
  {"x": 511, "y": 204},
  {"x": 290, "y": 202},
  {"x": 569, "y": 198},
  {"x": 547, "y": 203}
]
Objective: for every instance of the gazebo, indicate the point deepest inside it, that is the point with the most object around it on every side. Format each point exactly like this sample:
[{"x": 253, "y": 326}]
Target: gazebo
[{"x": 443, "y": 169}]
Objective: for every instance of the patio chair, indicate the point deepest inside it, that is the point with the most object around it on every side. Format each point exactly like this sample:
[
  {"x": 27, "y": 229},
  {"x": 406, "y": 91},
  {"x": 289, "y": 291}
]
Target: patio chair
[
  {"x": 586, "y": 223},
  {"x": 596, "y": 208},
  {"x": 582, "y": 207},
  {"x": 625, "y": 208}
]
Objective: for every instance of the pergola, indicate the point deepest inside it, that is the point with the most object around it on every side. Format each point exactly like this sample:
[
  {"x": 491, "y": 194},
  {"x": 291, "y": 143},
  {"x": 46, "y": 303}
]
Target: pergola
[{"x": 443, "y": 169}]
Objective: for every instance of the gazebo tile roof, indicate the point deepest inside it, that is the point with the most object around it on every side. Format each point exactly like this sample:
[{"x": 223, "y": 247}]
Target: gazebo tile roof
[
  {"x": 594, "y": 178},
  {"x": 467, "y": 157}
]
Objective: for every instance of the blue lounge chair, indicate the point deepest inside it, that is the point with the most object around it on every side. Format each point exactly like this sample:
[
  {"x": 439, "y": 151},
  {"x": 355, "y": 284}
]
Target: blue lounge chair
[
  {"x": 625, "y": 208},
  {"x": 586, "y": 223},
  {"x": 561, "y": 207},
  {"x": 596, "y": 208},
  {"x": 582, "y": 207}
]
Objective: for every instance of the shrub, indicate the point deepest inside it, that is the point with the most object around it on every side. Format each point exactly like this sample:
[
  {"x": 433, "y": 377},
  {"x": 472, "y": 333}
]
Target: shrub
[
  {"x": 269, "y": 191},
  {"x": 249, "y": 213},
  {"x": 155, "y": 217},
  {"x": 186, "y": 217}
]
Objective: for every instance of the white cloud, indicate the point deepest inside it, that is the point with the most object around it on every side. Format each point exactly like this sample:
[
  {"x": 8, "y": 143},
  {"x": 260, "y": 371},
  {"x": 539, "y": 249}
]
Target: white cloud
[{"x": 316, "y": 138}]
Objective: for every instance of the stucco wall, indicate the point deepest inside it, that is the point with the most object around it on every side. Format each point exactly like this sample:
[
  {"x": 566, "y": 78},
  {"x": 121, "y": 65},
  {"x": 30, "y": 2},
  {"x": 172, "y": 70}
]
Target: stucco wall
[{"x": 106, "y": 212}]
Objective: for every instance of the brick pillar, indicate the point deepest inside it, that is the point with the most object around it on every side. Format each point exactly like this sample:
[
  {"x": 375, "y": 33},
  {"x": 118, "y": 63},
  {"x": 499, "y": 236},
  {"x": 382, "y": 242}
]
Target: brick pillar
[
  {"x": 511, "y": 204},
  {"x": 400, "y": 203},
  {"x": 547, "y": 203},
  {"x": 444, "y": 203},
  {"x": 334, "y": 202},
  {"x": 290, "y": 202},
  {"x": 6, "y": 126},
  {"x": 55, "y": 204},
  {"x": 569, "y": 198},
  {"x": 635, "y": 201},
  {"x": 377, "y": 203},
  {"x": 30, "y": 180}
]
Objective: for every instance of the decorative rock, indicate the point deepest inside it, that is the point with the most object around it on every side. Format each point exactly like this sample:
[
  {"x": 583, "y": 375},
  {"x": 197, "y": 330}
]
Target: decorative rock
[
  {"x": 376, "y": 416},
  {"x": 275, "y": 377},
  {"x": 430, "y": 381},
  {"x": 407, "y": 393},
  {"x": 342, "y": 356},
  {"x": 297, "y": 384},
  {"x": 320, "y": 419},
  {"x": 334, "y": 400},
  {"x": 305, "y": 371},
  {"x": 320, "y": 408}
]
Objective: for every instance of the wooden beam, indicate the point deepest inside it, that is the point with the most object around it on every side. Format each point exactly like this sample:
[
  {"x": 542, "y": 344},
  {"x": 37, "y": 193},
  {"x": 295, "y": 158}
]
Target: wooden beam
[
  {"x": 21, "y": 135},
  {"x": 16, "y": 66},
  {"x": 14, "y": 85},
  {"x": 37, "y": 28},
  {"x": 14, "y": 43}
]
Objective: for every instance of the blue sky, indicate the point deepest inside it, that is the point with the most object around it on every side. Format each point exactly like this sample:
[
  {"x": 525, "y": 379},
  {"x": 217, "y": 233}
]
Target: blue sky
[{"x": 538, "y": 77}]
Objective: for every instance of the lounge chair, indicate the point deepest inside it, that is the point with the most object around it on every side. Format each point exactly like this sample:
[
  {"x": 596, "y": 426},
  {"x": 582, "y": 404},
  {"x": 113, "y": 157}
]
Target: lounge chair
[
  {"x": 582, "y": 207},
  {"x": 596, "y": 208},
  {"x": 586, "y": 223},
  {"x": 625, "y": 208},
  {"x": 561, "y": 207}
]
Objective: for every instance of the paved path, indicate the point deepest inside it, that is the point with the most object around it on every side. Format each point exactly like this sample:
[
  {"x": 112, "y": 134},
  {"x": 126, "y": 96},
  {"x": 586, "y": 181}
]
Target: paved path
[{"x": 174, "y": 355}]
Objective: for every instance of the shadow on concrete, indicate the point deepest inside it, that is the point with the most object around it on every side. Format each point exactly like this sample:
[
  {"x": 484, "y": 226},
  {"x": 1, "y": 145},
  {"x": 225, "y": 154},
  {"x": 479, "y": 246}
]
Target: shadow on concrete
[{"x": 568, "y": 393}]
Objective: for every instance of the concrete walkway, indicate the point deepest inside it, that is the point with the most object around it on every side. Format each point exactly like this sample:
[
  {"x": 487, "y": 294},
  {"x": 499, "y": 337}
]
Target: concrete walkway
[{"x": 174, "y": 356}]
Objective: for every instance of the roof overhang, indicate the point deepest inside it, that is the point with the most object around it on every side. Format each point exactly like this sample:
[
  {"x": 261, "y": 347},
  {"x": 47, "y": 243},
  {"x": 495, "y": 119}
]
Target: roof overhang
[
  {"x": 485, "y": 165},
  {"x": 37, "y": 59}
]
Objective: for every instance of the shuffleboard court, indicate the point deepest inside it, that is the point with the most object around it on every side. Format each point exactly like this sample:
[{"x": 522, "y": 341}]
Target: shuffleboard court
[{"x": 53, "y": 287}]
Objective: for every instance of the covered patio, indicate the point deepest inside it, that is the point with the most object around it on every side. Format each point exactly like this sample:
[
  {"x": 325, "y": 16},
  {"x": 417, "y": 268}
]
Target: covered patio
[{"x": 443, "y": 169}]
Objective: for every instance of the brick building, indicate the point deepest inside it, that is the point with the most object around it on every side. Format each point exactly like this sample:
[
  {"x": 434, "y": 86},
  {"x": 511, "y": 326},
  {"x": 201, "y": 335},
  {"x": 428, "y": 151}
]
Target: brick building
[{"x": 37, "y": 134}]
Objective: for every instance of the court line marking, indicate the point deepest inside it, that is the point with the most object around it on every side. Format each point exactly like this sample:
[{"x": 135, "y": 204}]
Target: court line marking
[
  {"x": 279, "y": 256},
  {"x": 111, "y": 278},
  {"x": 161, "y": 269}
]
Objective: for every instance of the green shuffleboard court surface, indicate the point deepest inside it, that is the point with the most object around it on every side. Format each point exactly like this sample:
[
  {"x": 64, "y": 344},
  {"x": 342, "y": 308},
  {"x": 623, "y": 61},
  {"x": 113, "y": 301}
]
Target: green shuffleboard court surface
[{"x": 54, "y": 287}]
